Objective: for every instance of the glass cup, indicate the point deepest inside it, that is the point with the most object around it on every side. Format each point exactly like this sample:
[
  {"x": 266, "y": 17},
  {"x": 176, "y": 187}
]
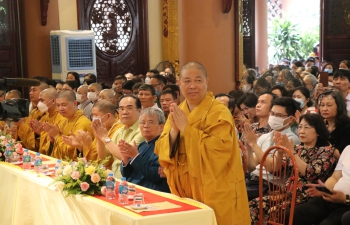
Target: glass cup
[
  {"x": 139, "y": 200},
  {"x": 132, "y": 192}
]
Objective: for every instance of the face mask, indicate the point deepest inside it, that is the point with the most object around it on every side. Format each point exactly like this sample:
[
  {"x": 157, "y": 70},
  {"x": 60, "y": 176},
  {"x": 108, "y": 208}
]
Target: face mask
[
  {"x": 330, "y": 83},
  {"x": 276, "y": 123},
  {"x": 43, "y": 107},
  {"x": 92, "y": 96},
  {"x": 301, "y": 101},
  {"x": 78, "y": 97},
  {"x": 328, "y": 70},
  {"x": 147, "y": 80},
  {"x": 280, "y": 83},
  {"x": 157, "y": 93},
  {"x": 98, "y": 118},
  {"x": 245, "y": 88}
]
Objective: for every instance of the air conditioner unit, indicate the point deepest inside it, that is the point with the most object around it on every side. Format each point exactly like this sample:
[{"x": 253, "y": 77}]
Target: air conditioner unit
[{"x": 72, "y": 51}]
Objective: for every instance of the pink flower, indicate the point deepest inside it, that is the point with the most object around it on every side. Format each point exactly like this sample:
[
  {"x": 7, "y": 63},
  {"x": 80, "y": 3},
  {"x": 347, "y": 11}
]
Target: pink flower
[
  {"x": 103, "y": 190},
  {"x": 19, "y": 148},
  {"x": 75, "y": 175},
  {"x": 95, "y": 178},
  {"x": 84, "y": 186}
]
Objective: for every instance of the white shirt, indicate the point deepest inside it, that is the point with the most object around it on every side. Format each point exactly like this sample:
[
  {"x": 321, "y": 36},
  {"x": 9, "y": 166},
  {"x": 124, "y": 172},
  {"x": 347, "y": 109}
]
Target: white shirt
[{"x": 343, "y": 183}]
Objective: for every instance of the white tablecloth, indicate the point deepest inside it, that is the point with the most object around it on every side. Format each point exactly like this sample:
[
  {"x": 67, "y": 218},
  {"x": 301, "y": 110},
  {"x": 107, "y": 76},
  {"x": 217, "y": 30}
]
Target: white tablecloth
[{"x": 25, "y": 198}]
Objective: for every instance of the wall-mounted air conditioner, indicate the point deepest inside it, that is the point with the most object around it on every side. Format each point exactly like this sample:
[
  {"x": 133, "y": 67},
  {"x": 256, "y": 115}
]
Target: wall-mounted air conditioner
[{"x": 72, "y": 51}]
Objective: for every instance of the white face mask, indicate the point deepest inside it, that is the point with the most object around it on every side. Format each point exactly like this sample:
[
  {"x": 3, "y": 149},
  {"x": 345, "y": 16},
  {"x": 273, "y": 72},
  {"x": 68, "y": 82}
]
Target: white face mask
[
  {"x": 42, "y": 106},
  {"x": 92, "y": 96},
  {"x": 78, "y": 97},
  {"x": 276, "y": 123},
  {"x": 147, "y": 80},
  {"x": 98, "y": 118}
]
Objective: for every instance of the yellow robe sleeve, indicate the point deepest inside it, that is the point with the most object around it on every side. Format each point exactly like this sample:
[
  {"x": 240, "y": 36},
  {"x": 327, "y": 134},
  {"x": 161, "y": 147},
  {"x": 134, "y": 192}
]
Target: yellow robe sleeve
[
  {"x": 27, "y": 135},
  {"x": 63, "y": 150}
]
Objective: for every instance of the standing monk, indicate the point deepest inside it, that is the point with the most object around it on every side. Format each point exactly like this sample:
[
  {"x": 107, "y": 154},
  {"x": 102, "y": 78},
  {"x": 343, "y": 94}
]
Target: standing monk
[{"x": 199, "y": 150}]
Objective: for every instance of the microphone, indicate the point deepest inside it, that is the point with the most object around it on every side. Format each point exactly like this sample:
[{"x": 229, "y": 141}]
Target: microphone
[{"x": 20, "y": 82}]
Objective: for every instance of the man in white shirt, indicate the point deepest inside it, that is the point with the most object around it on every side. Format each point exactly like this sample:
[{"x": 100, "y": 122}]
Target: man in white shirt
[
  {"x": 327, "y": 208},
  {"x": 281, "y": 118},
  {"x": 147, "y": 96}
]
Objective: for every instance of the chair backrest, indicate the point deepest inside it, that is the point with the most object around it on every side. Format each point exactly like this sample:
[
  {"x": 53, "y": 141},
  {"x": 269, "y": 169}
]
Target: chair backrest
[
  {"x": 282, "y": 195},
  {"x": 244, "y": 156}
]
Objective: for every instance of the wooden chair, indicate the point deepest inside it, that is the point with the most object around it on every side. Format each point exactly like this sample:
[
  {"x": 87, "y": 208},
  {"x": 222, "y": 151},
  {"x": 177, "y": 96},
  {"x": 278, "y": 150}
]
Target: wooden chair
[
  {"x": 244, "y": 156},
  {"x": 279, "y": 194}
]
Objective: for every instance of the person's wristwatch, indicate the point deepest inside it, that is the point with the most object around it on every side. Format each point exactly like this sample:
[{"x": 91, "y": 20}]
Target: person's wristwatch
[
  {"x": 107, "y": 140},
  {"x": 347, "y": 200}
]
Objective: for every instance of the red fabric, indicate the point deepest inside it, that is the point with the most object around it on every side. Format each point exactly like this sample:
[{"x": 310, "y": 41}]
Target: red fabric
[{"x": 151, "y": 198}]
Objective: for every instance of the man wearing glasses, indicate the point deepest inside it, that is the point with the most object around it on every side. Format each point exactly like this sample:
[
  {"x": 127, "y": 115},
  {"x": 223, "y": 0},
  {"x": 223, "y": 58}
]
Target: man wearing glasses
[
  {"x": 281, "y": 118},
  {"x": 129, "y": 112}
]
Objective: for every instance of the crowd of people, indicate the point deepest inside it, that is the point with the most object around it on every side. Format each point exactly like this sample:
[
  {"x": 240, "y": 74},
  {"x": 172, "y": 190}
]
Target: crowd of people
[{"x": 191, "y": 148}]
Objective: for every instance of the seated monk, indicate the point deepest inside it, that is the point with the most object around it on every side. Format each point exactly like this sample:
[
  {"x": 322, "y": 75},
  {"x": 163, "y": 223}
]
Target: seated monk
[
  {"x": 67, "y": 107},
  {"x": 25, "y": 132},
  {"x": 103, "y": 113}
]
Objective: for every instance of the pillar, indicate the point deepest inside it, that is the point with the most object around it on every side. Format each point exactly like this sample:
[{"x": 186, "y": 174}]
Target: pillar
[{"x": 261, "y": 36}]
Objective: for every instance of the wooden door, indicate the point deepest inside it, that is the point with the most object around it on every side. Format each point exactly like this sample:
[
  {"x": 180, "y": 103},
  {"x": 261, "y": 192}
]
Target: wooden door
[
  {"x": 335, "y": 30},
  {"x": 121, "y": 35},
  {"x": 10, "y": 47}
]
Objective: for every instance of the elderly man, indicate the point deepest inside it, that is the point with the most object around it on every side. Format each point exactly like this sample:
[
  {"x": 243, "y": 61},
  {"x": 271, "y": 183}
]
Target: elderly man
[
  {"x": 199, "y": 150},
  {"x": 310, "y": 82},
  {"x": 67, "y": 107},
  {"x": 93, "y": 91},
  {"x": 106, "y": 94},
  {"x": 25, "y": 131},
  {"x": 129, "y": 76},
  {"x": 147, "y": 96},
  {"x": 47, "y": 103},
  {"x": 166, "y": 98},
  {"x": 103, "y": 115},
  {"x": 84, "y": 103},
  {"x": 139, "y": 164},
  {"x": 129, "y": 112}
]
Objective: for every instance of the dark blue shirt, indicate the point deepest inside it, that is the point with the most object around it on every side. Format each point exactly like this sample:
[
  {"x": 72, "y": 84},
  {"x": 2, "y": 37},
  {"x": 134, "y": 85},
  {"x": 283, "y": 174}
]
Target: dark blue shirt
[{"x": 143, "y": 170}]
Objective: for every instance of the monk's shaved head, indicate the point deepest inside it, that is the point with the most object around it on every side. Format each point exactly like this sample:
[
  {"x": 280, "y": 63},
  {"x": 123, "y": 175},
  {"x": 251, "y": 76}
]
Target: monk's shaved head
[
  {"x": 105, "y": 106},
  {"x": 83, "y": 89},
  {"x": 109, "y": 93},
  {"x": 13, "y": 94},
  {"x": 194, "y": 65},
  {"x": 97, "y": 86},
  {"x": 43, "y": 86},
  {"x": 67, "y": 94},
  {"x": 50, "y": 93}
]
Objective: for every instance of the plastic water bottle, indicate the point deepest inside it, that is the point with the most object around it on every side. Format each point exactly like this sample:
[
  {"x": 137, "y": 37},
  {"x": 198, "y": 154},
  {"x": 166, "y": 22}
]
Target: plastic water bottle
[
  {"x": 27, "y": 161},
  {"x": 110, "y": 186},
  {"x": 8, "y": 153},
  {"x": 123, "y": 192},
  {"x": 58, "y": 165},
  {"x": 38, "y": 162}
]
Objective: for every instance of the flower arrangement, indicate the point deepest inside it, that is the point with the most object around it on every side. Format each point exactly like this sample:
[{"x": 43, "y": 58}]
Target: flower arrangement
[
  {"x": 14, "y": 147},
  {"x": 81, "y": 177}
]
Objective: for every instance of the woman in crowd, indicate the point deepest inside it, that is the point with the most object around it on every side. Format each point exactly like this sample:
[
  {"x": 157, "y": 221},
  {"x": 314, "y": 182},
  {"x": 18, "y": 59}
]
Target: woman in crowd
[
  {"x": 59, "y": 86},
  {"x": 345, "y": 64},
  {"x": 332, "y": 108},
  {"x": 279, "y": 91},
  {"x": 261, "y": 86},
  {"x": 302, "y": 95},
  {"x": 314, "y": 158},
  {"x": 247, "y": 83},
  {"x": 246, "y": 103},
  {"x": 73, "y": 76},
  {"x": 283, "y": 77}
]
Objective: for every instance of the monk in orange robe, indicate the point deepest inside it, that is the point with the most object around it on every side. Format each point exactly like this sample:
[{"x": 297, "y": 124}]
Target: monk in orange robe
[{"x": 199, "y": 150}]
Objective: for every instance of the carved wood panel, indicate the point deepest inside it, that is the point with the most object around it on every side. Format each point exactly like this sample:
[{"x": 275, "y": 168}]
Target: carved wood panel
[
  {"x": 121, "y": 35},
  {"x": 249, "y": 32},
  {"x": 335, "y": 30}
]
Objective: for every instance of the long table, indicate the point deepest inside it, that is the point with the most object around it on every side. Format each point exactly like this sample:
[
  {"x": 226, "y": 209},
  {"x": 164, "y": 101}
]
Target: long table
[{"x": 27, "y": 198}]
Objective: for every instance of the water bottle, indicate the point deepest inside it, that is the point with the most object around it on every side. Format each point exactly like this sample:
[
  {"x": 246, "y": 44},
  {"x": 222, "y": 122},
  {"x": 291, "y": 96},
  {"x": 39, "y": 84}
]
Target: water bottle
[
  {"x": 110, "y": 186},
  {"x": 123, "y": 192},
  {"x": 8, "y": 153},
  {"x": 38, "y": 162},
  {"x": 27, "y": 160},
  {"x": 58, "y": 165}
]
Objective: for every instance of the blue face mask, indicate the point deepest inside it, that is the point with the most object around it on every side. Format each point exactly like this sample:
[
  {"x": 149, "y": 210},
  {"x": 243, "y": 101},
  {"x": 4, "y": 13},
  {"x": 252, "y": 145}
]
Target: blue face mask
[
  {"x": 328, "y": 70},
  {"x": 280, "y": 83},
  {"x": 301, "y": 101},
  {"x": 245, "y": 88}
]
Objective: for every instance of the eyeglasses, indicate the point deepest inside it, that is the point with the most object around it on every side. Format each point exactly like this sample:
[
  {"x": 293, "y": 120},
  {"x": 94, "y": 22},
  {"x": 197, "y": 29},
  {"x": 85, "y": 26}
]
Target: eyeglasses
[
  {"x": 127, "y": 109},
  {"x": 279, "y": 115},
  {"x": 148, "y": 123}
]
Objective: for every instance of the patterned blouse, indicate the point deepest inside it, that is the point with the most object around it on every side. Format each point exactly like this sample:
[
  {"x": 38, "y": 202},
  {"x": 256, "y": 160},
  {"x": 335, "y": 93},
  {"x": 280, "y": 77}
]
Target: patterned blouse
[
  {"x": 258, "y": 131},
  {"x": 320, "y": 165}
]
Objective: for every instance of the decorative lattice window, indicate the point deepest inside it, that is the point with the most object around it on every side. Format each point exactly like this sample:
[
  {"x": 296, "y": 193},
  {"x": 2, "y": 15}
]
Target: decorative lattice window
[
  {"x": 246, "y": 18},
  {"x": 274, "y": 9},
  {"x": 111, "y": 22}
]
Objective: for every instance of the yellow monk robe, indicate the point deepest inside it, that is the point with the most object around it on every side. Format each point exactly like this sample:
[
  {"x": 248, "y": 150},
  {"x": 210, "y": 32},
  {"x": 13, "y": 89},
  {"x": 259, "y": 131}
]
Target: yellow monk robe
[
  {"x": 79, "y": 122},
  {"x": 207, "y": 165},
  {"x": 26, "y": 134},
  {"x": 55, "y": 119},
  {"x": 90, "y": 153}
]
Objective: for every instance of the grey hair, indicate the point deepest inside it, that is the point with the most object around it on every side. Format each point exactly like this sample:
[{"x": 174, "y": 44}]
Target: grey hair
[
  {"x": 311, "y": 78},
  {"x": 154, "y": 111}
]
